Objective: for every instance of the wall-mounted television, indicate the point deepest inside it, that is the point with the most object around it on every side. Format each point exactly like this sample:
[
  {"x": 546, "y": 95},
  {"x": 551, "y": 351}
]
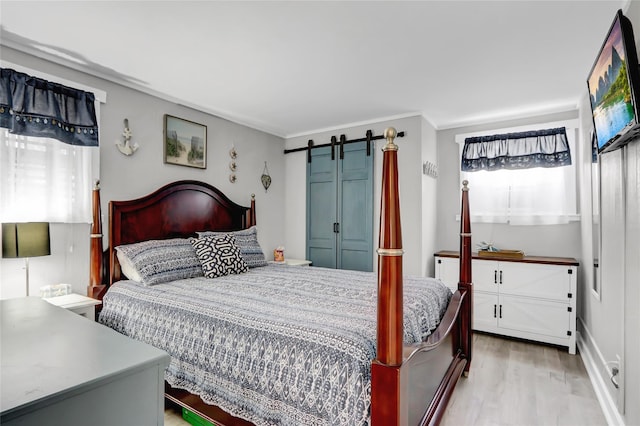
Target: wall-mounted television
[{"x": 614, "y": 87}]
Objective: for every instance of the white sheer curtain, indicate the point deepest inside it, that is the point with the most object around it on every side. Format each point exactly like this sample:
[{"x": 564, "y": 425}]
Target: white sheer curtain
[
  {"x": 43, "y": 179},
  {"x": 523, "y": 197}
]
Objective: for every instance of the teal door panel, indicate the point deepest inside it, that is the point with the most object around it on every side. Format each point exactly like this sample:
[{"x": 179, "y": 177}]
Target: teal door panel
[
  {"x": 323, "y": 257},
  {"x": 321, "y": 208},
  {"x": 340, "y": 191},
  {"x": 355, "y": 208},
  {"x": 356, "y": 260},
  {"x": 322, "y": 214}
]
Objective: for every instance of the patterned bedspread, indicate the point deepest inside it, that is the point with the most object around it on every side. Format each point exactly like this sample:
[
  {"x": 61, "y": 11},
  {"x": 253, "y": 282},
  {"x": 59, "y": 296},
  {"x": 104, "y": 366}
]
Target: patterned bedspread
[{"x": 278, "y": 345}]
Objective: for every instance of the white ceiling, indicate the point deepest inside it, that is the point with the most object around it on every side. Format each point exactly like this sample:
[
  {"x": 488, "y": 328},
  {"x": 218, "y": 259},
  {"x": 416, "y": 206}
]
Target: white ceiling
[{"x": 295, "y": 67}]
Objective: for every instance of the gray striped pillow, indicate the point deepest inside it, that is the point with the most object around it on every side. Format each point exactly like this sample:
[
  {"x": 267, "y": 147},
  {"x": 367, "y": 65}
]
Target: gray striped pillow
[
  {"x": 219, "y": 256},
  {"x": 247, "y": 241},
  {"x": 158, "y": 261}
]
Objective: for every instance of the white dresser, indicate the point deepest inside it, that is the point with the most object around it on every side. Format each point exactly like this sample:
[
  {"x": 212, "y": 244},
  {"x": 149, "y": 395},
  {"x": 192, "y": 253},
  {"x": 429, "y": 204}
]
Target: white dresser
[
  {"x": 59, "y": 368},
  {"x": 532, "y": 298}
]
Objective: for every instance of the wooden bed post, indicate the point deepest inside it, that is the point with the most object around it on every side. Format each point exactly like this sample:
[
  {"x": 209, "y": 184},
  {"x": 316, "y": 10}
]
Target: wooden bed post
[
  {"x": 385, "y": 369},
  {"x": 252, "y": 211},
  {"x": 465, "y": 284},
  {"x": 96, "y": 289},
  {"x": 390, "y": 314}
]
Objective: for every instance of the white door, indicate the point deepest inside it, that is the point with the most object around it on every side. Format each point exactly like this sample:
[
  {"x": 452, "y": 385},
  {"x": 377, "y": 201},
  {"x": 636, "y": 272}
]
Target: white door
[
  {"x": 448, "y": 271},
  {"x": 535, "y": 280},
  {"x": 485, "y": 275},
  {"x": 533, "y": 316},
  {"x": 485, "y": 312}
]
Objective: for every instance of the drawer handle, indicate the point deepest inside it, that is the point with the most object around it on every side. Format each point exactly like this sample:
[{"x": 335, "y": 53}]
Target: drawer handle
[
  {"x": 500, "y": 277},
  {"x": 495, "y": 277}
]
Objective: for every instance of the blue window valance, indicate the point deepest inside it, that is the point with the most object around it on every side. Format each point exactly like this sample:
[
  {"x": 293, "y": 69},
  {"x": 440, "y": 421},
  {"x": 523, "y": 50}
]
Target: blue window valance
[
  {"x": 523, "y": 150},
  {"x": 35, "y": 107}
]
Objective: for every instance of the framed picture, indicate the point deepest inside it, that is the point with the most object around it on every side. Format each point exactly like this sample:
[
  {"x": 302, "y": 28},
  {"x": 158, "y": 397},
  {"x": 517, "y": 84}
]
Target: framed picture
[{"x": 185, "y": 142}]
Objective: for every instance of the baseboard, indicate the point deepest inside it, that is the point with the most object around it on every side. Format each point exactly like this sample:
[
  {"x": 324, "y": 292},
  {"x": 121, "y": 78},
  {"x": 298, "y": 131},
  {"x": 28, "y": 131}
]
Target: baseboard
[{"x": 591, "y": 357}]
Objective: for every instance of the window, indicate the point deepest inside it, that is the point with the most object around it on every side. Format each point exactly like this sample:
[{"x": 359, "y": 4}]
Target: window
[
  {"x": 42, "y": 179},
  {"x": 48, "y": 147},
  {"x": 523, "y": 196}
]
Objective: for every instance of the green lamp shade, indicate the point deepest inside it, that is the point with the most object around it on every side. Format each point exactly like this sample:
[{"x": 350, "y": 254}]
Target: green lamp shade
[{"x": 30, "y": 239}]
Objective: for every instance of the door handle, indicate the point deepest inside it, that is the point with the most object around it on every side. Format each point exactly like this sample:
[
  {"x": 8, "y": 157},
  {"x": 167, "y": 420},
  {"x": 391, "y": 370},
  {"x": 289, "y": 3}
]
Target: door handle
[
  {"x": 500, "y": 277},
  {"x": 495, "y": 276},
  {"x": 494, "y": 311},
  {"x": 336, "y": 227},
  {"x": 500, "y": 311}
]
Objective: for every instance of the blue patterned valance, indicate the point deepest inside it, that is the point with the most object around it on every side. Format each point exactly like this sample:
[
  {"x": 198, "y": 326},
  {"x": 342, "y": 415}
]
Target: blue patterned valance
[
  {"x": 35, "y": 107},
  {"x": 523, "y": 150}
]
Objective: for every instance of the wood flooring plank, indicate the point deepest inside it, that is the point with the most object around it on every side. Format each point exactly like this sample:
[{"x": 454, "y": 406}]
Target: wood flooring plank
[{"x": 520, "y": 383}]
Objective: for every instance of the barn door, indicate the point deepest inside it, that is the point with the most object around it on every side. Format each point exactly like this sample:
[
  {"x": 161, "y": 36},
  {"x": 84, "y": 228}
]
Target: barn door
[
  {"x": 340, "y": 208},
  {"x": 322, "y": 202}
]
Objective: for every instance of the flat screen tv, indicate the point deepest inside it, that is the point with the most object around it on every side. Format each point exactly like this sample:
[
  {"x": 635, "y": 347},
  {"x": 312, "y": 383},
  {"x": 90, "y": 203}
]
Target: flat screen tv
[{"x": 614, "y": 87}]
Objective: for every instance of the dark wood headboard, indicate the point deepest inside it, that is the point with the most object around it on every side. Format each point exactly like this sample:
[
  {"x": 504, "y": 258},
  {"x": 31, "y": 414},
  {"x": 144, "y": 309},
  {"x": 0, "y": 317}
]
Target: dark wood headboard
[{"x": 179, "y": 209}]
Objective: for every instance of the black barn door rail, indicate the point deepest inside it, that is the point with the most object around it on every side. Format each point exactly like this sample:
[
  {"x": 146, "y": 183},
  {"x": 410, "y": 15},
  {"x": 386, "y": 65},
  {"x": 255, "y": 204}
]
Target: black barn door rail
[{"x": 342, "y": 142}]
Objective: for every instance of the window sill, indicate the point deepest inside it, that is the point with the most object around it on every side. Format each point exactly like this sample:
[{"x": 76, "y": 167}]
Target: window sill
[{"x": 525, "y": 220}]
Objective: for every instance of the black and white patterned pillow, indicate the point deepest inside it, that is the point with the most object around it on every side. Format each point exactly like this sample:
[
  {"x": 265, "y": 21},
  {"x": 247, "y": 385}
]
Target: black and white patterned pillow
[
  {"x": 219, "y": 256},
  {"x": 247, "y": 240},
  {"x": 159, "y": 261}
]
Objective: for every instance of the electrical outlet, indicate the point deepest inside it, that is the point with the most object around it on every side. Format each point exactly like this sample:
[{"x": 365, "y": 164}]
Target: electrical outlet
[
  {"x": 614, "y": 378},
  {"x": 619, "y": 361},
  {"x": 620, "y": 384},
  {"x": 613, "y": 370}
]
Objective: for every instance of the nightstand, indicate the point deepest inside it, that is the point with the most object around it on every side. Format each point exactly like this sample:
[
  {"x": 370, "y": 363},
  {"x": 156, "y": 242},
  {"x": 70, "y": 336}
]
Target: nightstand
[
  {"x": 292, "y": 262},
  {"x": 81, "y": 305}
]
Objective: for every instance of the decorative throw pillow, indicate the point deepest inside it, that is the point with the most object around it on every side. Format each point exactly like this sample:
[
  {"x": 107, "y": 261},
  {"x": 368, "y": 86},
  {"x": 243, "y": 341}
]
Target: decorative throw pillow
[
  {"x": 219, "y": 256},
  {"x": 158, "y": 261},
  {"x": 126, "y": 266},
  {"x": 247, "y": 241}
]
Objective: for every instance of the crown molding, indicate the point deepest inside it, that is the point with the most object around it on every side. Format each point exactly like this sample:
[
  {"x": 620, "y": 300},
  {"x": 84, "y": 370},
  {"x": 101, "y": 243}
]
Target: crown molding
[{"x": 355, "y": 124}]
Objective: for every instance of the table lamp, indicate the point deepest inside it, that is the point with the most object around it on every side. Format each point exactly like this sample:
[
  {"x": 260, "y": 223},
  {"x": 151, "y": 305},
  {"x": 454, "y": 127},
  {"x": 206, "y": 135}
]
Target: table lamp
[{"x": 25, "y": 240}]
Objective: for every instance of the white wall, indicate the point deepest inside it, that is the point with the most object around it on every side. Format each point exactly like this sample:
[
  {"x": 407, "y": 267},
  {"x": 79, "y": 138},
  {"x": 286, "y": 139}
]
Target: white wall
[
  {"x": 609, "y": 323},
  {"x": 131, "y": 177},
  {"x": 410, "y": 154},
  {"x": 631, "y": 351},
  {"x": 429, "y": 199},
  {"x": 631, "y": 355}
]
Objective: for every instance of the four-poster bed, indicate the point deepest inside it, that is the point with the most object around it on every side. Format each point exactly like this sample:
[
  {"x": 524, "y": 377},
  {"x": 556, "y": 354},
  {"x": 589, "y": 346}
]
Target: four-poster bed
[{"x": 409, "y": 384}]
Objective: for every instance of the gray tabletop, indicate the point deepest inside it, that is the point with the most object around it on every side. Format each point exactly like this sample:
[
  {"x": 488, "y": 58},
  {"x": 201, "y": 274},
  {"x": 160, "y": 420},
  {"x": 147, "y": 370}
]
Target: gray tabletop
[{"x": 48, "y": 353}]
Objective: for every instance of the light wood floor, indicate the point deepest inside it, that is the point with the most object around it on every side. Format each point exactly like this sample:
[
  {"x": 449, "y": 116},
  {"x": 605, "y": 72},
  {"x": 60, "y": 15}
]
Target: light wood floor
[
  {"x": 514, "y": 383},
  {"x": 519, "y": 383}
]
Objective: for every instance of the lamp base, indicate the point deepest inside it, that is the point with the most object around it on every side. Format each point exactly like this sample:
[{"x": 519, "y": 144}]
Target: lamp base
[{"x": 26, "y": 268}]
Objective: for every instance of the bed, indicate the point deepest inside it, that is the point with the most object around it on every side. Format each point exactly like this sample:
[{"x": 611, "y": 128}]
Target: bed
[{"x": 288, "y": 345}]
